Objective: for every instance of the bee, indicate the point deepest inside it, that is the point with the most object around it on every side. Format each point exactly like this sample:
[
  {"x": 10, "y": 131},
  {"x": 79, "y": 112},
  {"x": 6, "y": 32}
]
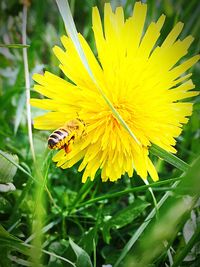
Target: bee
[{"x": 64, "y": 137}]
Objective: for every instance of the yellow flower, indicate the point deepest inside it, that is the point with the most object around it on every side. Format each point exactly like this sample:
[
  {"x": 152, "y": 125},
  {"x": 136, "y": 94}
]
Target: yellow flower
[{"x": 143, "y": 82}]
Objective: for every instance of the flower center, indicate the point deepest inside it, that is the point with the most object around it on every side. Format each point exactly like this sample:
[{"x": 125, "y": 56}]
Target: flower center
[{"x": 124, "y": 112}]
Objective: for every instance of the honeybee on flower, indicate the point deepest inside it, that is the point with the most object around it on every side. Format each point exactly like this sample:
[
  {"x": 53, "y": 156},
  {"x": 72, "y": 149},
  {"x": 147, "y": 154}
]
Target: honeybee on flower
[
  {"x": 143, "y": 82},
  {"x": 65, "y": 136}
]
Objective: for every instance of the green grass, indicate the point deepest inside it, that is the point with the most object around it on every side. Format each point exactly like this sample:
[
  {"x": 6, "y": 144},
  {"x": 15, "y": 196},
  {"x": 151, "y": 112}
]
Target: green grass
[{"x": 54, "y": 220}]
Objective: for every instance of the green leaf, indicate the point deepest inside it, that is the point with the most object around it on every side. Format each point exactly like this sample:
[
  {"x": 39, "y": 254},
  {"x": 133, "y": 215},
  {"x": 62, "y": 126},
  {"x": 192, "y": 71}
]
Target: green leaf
[
  {"x": 123, "y": 217},
  {"x": 7, "y": 187},
  {"x": 14, "y": 45},
  {"x": 88, "y": 239},
  {"x": 57, "y": 248},
  {"x": 7, "y": 169},
  {"x": 83, "y": 259},
  {"x": 6, "y": 239}
]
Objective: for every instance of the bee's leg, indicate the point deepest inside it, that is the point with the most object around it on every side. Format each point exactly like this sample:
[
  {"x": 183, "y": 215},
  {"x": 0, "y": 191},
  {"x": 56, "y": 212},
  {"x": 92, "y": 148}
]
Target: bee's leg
[
  {"x": 68, "y": 146},
  {"x": 65, "y": 148}
]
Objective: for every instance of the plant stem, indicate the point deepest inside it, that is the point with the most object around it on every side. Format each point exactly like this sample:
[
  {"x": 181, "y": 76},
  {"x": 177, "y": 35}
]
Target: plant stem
[
  {"x": 27, "y": 80},
  {"x": 153, "y": 197}
]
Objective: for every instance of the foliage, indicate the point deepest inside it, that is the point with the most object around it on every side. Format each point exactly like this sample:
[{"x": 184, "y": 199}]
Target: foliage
[{"x": 51, "y": 219}]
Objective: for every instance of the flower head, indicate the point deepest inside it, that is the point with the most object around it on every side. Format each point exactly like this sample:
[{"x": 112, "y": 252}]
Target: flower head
[{"x": 144, "y": 84}]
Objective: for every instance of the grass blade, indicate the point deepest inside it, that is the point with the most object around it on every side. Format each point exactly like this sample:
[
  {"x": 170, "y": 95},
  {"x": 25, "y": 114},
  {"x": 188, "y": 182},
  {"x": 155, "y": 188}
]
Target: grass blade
[
  {"x": 15, "y": 243},
  {"x": 14, "y": 45},
  {"x": 170, "y": 158},
  {"x": 126, "y": 192},
  {"x": 27, "y": 80},
  {"x": 153, "y": 196}
]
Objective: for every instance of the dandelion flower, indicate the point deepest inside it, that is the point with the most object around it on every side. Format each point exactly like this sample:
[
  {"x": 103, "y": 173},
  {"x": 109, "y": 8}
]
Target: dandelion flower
[{"x": 143, "y": 82}]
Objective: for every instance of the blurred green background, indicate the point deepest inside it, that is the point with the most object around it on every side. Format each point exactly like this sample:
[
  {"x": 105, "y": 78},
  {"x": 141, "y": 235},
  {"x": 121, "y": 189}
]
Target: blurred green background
[{"x": 101, "y": 230}]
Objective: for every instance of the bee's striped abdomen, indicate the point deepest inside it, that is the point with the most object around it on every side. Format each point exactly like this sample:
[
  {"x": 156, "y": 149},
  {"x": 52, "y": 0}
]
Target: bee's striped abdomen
[
  {"x": 58, "y": 139},
  {"x": 60, "y": 132}
]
